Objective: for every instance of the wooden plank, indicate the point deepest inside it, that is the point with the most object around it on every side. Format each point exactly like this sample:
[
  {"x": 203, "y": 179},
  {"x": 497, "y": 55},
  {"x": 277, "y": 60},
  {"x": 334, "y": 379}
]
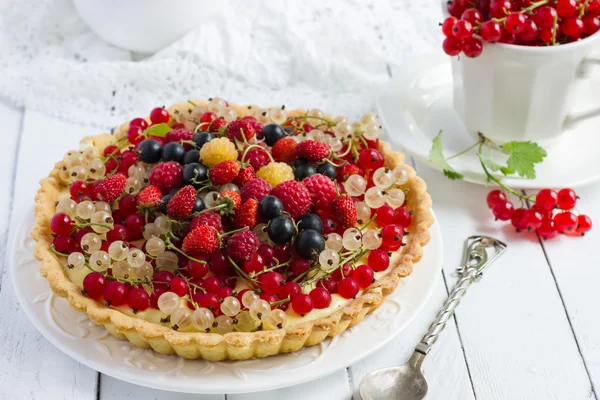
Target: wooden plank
[
  {"x": 574, "y": 265},
  {"x": 31, "y": 367},
  {"x": 114, "y": 389},
  {"x": 516, "y": 336}
]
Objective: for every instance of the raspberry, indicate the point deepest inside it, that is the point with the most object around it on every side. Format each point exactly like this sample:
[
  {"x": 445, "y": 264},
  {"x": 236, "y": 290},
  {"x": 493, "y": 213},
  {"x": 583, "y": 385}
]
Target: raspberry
[
  {"x": 224, "y": 172},
  {"x": 344, "y": 209},
  {"x": 242, "y": 245},
  {"x": 209, "y": 218},
  {"x": 182, "y": 203},
  {"x": 246, "y": 175},
  {"x": 239, "y": 127},
  {"x": 110, "y": 188},
  {"x": 322, "y": 191},
  {"x": 203, "y": 240},
  {"x": 248, "y": 214},
  {"x": 276, "y": 173},
  {"x": 294, "y": 196},
  {"x": 257, "y": 157},
  {"x": 217, "y": 151},
  {"x": 167, "y": 176},
  {"x": 313, "y": 151},
  {"x": 177, "y": 135},
  {"x": 257, "y": 188},
  {"x": 284, "y": 150}
]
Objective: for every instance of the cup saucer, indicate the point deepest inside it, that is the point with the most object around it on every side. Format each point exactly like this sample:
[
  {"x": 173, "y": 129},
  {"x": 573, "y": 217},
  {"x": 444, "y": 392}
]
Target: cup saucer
[{"x": 419, "y": 104}]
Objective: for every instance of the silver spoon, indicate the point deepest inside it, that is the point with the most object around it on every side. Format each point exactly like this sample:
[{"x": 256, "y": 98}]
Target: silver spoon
[{"x": 407, "y": 382}]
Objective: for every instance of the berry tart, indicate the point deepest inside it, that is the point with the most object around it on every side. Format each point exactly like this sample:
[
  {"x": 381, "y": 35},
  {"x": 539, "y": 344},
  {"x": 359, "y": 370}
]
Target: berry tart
[{"x": 216, "y": 231}]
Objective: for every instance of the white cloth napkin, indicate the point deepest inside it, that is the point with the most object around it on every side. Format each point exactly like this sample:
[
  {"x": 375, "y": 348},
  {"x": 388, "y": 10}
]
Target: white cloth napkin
[{"x": 319, "y": 54}]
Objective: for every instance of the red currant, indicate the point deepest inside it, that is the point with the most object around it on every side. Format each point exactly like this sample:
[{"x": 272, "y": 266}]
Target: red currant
[
  {"x": 341, "y": 273},
  {"x": 378, "y": 260},
  {"x": 138, "y": 299},
  {"x": 593, "y": 8},
  {"x": 452, "y": 46},
  {"x": 254, "y": 264},
  {"x": 283, "y": 252},
  {"x": 135, "y": 134},
  {"x": 566, "y": 199},
  {"x": 391, "y": 236},
  {"x": 565, "y": 222},
  {"x": 348, "y": 287},
  {"x": 141, "y": 122},
  {"x": 63, "y": 244},
  {"x": 472, "y": 47},
  {"x": 155, "y": 295},
  {"x": 211, "y": 284},
  {"x": 546, "y": 17},
  {"x": 179, "y": 286},
  {"x": 494, "y": 197},
  {"x": 302, "y": 304},
  {"x": 134, "y": 225},
  {"x": 207, "y": 118},
  {"x": 457, "y": 7},
  {"x": 111, "y": 165},
  {"x": 491, "y": 31},
  {"x": 159, "y": 116},
  {"x": 196, "y": 270},
  {"x": 219, "y": 263},
  {"x": 79, "y": 189},
  {"x": 299, "y": 266},
  {"x": 61, "y": 224},
  {"x": 370, "y": 159},
  {"x": 267, "y": 253},
  {"x": 584, "y": 223},
  {"x": 515, "y": 23},
  {"x": 386, "y": 215},
  {"x": 500, "y": 8},
  {"x": 290, "y": 289},
  {"x": 110, "y": 149},
  {"x": 161, "y": 279},
  {"x": 330, "y": 225},
  {"x": 271, "y": 282},
  {"x": 224, "y": 291},
  {"x": 94, "y": 284},
  {"x": 329, "y": 284},
  {"x": 518, "y": 219},
  {"x": 128, "y": 158},
  {"x": 530, "y": 32},
  {"x": 321, "y": 297},
  {"x": 546, "y": 200},
  {"x": 364, "y": 275},
  {"x": 547, "y": 229},
  {"x": 210, "y": 301},
  {"x": 566, "y": 8},
  {"x": 533, "y": 220},
  {"x": 507, "y": 37},
  {"x": 591, "y": 24},
  {"x": 472, "y": 15},
  {"x": 462, "y": 29},
  {"x": 118, "y": 232},
  {"x": 128, "y": 205},
  {"x": 403, "y": 217},
  {"x": 572, "y": 27},
  {"x": 115, "y": 293},
  {"x": 447, "y": 26}
]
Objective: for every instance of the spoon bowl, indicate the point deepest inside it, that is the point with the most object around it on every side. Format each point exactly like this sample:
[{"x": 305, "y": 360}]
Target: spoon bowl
[{"x": 395, "y": 383}]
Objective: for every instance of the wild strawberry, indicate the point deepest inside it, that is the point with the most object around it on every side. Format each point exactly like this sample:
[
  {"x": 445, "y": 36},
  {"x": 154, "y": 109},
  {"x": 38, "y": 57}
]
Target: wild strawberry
[
  {"x": 284, "y": 150},
  {"x": 322, "y": 191},
  {"x": 348, "y": 169},
  {"x": 246, "y": 175},
  {"x": 294, "y": 196},
  {"x": 241, "y": 245},
  {"x": 257, "y": 157},
  {"x": 344, "y": 209},
  {"x": 203, "y": 240},
  {"x": 248, "y": 214},
  {"x": 240, "y": 129},
  {"x": 224, "y": 172},
  {"x": 110, "y": 188},
  {"x": 209, "y": 218},
  {"x": 233, "y": 201},
  {"x": 167, "y": 176},
  {"x": 177, "y": 135},
  {"x": 217, "y": 125},
  {"x": 182, "y": 203},
  {"x": 257, "y": 188},
  {"x": 149, "y": 196},
  {"x": 313, "y": 151}
]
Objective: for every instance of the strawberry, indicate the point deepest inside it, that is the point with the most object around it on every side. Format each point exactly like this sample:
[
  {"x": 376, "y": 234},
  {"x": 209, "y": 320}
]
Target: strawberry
[
  {"x": 348, "y": 169},
  {"x": 110, "y": 188},
  {"x": 149, "y": 196},
  {"x": 233, "y": 201},
  {"x": 248, "y": 214},
  {"x": 344, "y": 209},
  {"x": 203, "y": 240},
  {"x": 182, "y": 203},
  {"x": 240, "y": 129},
  {"x": 313, "y": 151},
  {"x": 224, "y": 172},
  {"x": 246, "y": 175},
  {"x": 217, "y": 125},
  {"x": 284, "y": 150}
]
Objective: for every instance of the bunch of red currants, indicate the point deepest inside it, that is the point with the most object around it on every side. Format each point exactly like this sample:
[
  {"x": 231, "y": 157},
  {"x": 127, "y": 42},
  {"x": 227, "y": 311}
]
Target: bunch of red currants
[{"x": 520, "y": 22}]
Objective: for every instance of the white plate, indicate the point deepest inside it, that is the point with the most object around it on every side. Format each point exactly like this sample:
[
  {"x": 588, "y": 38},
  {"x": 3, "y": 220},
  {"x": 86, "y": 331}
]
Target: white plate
[
  {"x": 419, "y": 105},
  {"x": 75, "y": 335}
]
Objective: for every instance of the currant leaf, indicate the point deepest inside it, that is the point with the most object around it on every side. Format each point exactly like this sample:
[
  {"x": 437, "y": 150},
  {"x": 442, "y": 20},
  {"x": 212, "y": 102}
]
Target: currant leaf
[
  {"x": 492, "y": 165},
  {"x": 159, "y": 130},
  {"x": 523, "y": 156},
  {"x": 436, "y": 156}
]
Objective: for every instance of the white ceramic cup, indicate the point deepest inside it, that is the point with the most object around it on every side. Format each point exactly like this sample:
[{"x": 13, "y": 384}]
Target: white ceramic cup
[
  {"x": 515, "y": 92},
  {"x": 145, "y": 26}
]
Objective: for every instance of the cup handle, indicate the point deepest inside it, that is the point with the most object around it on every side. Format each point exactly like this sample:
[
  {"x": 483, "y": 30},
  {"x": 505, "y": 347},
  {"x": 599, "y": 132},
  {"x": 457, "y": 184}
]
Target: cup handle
[{"x": 584, "y": 71}]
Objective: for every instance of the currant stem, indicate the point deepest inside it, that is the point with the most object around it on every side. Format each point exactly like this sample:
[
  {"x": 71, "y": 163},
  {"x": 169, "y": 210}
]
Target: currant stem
[
  {"x": 171, "y": 246},
  {"x": 241, "y": 274},
  {"x": 329, "y": 122},
  {"x": 58, "y": 252}
]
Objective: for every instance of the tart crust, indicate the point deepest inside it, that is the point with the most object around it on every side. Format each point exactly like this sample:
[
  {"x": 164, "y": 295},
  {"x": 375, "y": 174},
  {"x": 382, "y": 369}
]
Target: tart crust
[{"x": 234, "y": 345}]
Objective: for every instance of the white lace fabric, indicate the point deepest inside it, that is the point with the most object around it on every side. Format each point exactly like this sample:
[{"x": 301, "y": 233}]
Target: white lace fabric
[{"x": 331, "y": 55}]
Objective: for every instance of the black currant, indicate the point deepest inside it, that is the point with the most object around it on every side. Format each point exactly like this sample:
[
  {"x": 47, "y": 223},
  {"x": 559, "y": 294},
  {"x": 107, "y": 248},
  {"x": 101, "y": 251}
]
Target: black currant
[
  {"x": 309, "y": 244},
  {"x": 203, "y": 137},
  {"x": 304, "y": 171},
  {"x": 300, "y": 161},
  {"x": 281, "y": 230},
  {"x": 289, "y": 131},
  {"x": 198, "y": 205},
  {"x": 270, "y": 207},
  {"x": 272, "y": 133},
  {"x": 327, "y": 169},
  {"x": 192, "y": 156},
  {"x": 173, "y": 152},
  {"x": 194, "y": 173},
  {"x": 310, "y": 221},
  {"x": 162, "y": 203},
  {"x": 149, "y": 151}
]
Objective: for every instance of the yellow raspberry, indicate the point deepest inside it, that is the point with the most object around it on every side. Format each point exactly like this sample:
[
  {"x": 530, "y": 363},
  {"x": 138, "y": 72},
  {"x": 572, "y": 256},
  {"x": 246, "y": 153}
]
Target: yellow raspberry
[
  {"x": 276, "y": 173},
  {"x": 218, "y": 150}
]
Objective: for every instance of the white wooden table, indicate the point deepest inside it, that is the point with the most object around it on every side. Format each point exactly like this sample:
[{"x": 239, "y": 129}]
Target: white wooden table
[{"x": 528, "y": 330}]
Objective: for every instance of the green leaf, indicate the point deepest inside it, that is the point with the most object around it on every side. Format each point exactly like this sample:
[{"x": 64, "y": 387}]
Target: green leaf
[
  {"x": 492, "y": 165},
  {"x": 523, "y": 156},
  {"x": 159, "y": 130},
  {"x": 436, "y": 156}
]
